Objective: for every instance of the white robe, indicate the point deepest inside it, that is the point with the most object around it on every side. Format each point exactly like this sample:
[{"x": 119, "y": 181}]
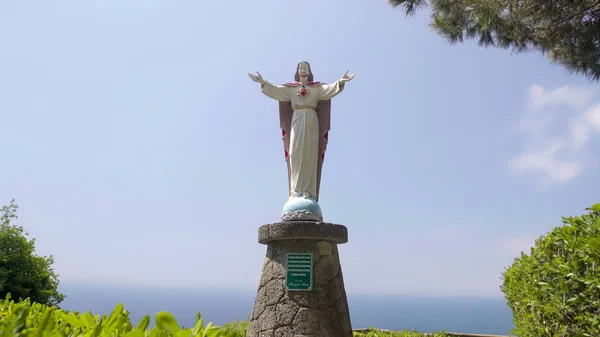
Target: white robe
[{"x": 304, "y": 137}]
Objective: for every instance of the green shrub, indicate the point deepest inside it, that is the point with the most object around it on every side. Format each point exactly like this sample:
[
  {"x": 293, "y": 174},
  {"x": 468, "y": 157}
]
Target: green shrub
[
  {"x": 23, "y": 273},
  {"x": 26, "y": 319},
  {"x": 555, "y": 291},
  {"x": 239, "y": 327},
  {"x": 372, "y": 332}
]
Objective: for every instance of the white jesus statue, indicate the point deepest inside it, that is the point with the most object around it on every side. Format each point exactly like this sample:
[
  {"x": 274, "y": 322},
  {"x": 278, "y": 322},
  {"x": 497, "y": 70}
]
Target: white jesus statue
[{"x": 304, "y": 115}]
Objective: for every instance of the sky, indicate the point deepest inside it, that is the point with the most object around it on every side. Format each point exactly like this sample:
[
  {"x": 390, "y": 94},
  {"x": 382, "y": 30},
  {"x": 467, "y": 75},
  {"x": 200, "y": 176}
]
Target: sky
[{"x": 140, "y": 152}]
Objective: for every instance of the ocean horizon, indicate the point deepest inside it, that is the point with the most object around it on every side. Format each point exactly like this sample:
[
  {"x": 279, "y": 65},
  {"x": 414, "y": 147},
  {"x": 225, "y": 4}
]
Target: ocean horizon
[{"x": 220, "y": 306}]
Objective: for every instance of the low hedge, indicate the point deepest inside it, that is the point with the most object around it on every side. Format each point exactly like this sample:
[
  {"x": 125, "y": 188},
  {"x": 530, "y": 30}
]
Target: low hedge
[
  {"x": 26, "y": 319},
  {"x": 372, "y": 332},
  {"x": 555, "y": 290}
]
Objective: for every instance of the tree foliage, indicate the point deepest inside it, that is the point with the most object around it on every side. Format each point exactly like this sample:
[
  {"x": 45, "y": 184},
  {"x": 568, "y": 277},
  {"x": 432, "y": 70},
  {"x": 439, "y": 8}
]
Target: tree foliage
[
  {"x": 568, "y": 31},
  {"x": 23, "y": 274},
  {"x": 555, "y": 291}
]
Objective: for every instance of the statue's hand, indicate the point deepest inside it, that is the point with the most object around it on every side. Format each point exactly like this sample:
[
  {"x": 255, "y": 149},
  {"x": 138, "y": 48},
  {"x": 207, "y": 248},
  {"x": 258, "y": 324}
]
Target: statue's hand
[
  {"x": 346, "y": 78},
  {"x": 257, "y": 78}
]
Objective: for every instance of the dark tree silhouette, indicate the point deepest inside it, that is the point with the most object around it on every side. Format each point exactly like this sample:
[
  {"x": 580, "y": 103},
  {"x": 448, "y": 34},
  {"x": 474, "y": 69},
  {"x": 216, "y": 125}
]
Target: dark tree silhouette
[{"x": 567, "y": 31}]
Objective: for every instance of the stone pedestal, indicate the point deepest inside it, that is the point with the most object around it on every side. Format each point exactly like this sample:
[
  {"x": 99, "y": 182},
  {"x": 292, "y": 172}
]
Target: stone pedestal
[{"x": 319, "y": 312}]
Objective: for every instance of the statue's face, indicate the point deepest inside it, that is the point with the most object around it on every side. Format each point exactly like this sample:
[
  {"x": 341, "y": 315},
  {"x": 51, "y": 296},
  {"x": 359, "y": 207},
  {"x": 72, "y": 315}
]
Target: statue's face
[{"x": 303, "y": 69}]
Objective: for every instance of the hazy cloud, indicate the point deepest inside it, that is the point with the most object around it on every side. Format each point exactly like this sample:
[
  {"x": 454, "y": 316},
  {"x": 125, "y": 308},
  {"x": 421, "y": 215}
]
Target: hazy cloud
[
  {"x": 575, "y": 97},
  {"x": 557, "y": 155}
]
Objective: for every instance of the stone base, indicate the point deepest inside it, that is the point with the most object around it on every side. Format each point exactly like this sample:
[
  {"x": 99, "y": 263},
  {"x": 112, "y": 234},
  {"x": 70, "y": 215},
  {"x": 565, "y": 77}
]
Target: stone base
[{"x": 321, "y": 312}]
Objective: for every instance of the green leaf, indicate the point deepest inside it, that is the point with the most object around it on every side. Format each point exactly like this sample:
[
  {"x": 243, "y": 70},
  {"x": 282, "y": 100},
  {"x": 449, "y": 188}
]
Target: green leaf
[
  {"x": 45, "y": 324},
  {"x": 166, "y": 321},
  {"x": 184, "y": 333},
  {"x": 134, "y": 333},
  {"x": 199, "y": 326},
  {"x": 144, "y": 322},
  {"x": 115, "y": 314},
  {"x": 212, "y": 330},
  {"x": 62, "y": 332},
  {"x": 71, "y": 320},
  {"x": 21, "y": 312},
  {"x": 230, "y": 334},
  {"x": 87, "y": 320},
  {"x": 154, "y": 332},
  {"x": 97, "y": 329}
]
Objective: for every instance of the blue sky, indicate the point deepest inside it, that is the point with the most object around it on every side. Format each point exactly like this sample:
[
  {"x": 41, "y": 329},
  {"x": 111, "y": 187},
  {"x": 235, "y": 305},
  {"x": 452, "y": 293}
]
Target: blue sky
[{"x": 139, "y": 150}]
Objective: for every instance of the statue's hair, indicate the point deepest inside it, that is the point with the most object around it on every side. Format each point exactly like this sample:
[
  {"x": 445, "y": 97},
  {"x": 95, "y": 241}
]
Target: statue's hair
[{"x": 297, "y": 75}]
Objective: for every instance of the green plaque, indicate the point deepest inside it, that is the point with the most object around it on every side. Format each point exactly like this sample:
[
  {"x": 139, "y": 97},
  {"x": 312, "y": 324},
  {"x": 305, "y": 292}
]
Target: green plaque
[{"x": 299, "y": 272}]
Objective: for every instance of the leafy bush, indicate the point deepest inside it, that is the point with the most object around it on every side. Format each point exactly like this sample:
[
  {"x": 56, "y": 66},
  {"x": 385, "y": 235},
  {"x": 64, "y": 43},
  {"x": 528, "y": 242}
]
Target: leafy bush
[
  {"x": 555, "y": 291},
  {"x": 23, "y": 273},
  {"x": 239, "y": 327},
  {"x": 26, "y": 319},
  {"x": 382, "y": 333}
]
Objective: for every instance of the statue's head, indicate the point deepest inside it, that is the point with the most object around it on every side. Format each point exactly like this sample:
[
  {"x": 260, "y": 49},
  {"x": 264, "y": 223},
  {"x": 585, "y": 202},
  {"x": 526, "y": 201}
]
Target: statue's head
[{"x": 303, "y": 71}]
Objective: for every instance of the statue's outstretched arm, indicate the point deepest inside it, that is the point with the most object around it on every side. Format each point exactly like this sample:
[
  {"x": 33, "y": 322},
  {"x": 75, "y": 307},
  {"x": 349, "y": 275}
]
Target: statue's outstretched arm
[
  {"x": 257, "y": 78},
  {"x": 331, "y": 90},
  {"x": 279, "y": 93},
  {"x": 346, "y": 78}
]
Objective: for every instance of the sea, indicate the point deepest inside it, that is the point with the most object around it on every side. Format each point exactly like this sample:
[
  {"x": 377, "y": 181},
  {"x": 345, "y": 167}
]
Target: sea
[{"x": 393, "y": 312}]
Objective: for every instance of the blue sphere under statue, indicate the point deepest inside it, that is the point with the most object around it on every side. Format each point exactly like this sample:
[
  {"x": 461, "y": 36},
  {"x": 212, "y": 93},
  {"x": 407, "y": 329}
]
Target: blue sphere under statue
[{"x": 301, "y": 209}]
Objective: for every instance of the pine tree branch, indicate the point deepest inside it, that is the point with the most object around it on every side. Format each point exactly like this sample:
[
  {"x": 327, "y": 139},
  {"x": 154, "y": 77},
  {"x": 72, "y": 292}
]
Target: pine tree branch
[
  {"x": 567, "y": 31},
  {"x": 581, "y": 12},
  {"x": 410, "y": 7}
]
